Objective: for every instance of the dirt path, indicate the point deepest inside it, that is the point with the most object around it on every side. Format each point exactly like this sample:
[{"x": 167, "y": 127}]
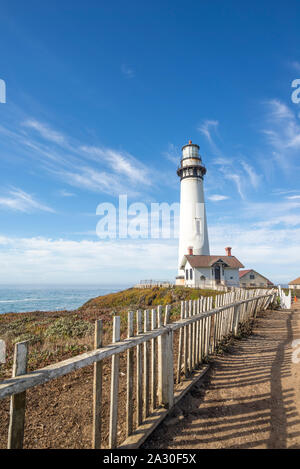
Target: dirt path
[{"x": 251, "y": 397}]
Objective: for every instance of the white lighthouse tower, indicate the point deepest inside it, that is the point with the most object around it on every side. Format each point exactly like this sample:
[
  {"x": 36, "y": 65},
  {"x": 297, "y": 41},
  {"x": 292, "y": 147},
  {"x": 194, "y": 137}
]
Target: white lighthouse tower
[{"x": 193, "y": 235}]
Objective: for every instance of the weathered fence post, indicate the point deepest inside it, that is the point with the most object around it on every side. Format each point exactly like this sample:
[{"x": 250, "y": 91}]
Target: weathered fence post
[
  {"x": 97, "y": 389},
  {"x": 18, "y": 401},
  {"x": 153, "y": 361},
  {"x": 130, "y": 362},
  {"x": 170, "y": 360},
  {"x": 236, "y": 318},
  {"x": 185, "y": 341},
  {"x": 166, "y": 375},
  {"x": 190, "y": 337},
  {"x": 139, "y": 372},
  {"x": 146, "y": 366},
  {"x": 114, "y": 390}
]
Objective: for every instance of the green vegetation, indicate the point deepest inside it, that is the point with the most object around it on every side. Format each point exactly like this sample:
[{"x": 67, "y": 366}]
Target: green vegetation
[
  {"x": 68, "y": 327},
  {"x": 58, "y": 335},
  {"x": 136, "y": 298}
]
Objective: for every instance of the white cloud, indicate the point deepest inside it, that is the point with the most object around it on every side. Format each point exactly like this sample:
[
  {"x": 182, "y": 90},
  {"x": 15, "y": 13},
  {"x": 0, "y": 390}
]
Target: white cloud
[
  {"x": 274, "y": 253},
  {"x": 271, "y": 212},
  {"x": 45, "y": 131},
  {"x": 222, "y": 161},
  {"x": 206, "y": 126},
  {"x": 20, "y": 201},
  {"x": 172, "y": 154},
  {"x": 95, "y": 168},
  {"x": 282, "y": 131},
  {"x": 254, "y": 177},
  {"x": 238, "y": 180},
  {"x": 236, "y": 170},
  {"x": 85, "y": 261},
  {"x": 120, "y": 162},
  {"x": 293, "y": 197},
  {"x": 65, "y": 193},
  {"x": 217, "y": 197},
  {"x": 278, "y": 110},
  {"x": 97, "y": 181}
]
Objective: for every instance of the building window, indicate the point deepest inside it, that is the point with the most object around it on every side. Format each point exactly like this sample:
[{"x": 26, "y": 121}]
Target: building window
[
  {"x": 252, "y": 276},
  {"x": 191, "y": 274},
  {"x": 202, "y": 278},
  {"x": 231, "y": 278},
  {"x": 186, "y": 274}
]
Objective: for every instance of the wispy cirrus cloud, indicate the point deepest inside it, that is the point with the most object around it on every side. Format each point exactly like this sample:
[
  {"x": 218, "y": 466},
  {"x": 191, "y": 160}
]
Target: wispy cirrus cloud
[
  {"x": 238, "y": 181},
  {"x": 65, "y": 193},
  {"x": 282, "y": 132},
  {"x": 172, "y": 153},
  {"x": 20, "y": 201},
  {"x": 235, "y": 169},
  {"x": 120, "y": 162},
  {"x": 95, "y": 180},
  {"x": 92, "y": 167},
  {"x": 254, "y": 177},
  {"x": 45, "y": 131},
  {"x": 206, "y": 128}
]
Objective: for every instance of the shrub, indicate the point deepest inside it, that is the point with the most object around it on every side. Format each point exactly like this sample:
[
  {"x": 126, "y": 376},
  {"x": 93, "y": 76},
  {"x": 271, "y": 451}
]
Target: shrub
[{"x": 67, "y": 327}]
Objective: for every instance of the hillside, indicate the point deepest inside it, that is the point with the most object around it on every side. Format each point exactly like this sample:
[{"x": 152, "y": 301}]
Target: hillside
[
  {"x": 135, "y": 298},
  {"x": 57, "y": 335}
]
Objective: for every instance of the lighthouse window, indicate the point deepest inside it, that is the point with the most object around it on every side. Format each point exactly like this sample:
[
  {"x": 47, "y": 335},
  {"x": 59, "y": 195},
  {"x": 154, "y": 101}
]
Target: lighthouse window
[
  {"x": 186, "y": 274},
  {"x": 191, "y": 274},
  {"x": 198, "y": 226}
]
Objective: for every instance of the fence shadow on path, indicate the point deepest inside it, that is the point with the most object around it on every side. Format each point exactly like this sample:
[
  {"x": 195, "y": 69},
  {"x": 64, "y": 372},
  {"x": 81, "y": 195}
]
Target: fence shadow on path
[{"x": 248, "y": 400}]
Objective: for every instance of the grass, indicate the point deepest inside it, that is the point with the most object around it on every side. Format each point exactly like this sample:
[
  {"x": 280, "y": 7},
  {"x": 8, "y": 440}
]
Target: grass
[{"x": 55, "y": 336}]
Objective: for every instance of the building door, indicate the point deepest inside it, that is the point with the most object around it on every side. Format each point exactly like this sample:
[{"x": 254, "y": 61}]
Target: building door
[{"x": 217, "y": 274}]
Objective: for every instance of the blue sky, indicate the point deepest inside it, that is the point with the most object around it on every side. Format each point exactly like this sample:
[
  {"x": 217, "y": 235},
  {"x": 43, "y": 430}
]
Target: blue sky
[{"x": 100, "y": 98}]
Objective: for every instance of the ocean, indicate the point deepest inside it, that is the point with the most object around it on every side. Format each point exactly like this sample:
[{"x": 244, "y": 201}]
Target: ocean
[{"x": 21, "y": 299}]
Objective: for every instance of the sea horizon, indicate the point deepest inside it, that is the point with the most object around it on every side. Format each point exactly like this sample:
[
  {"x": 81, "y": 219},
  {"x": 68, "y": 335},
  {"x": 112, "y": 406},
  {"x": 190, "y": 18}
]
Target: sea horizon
[{"x": 24, "y": 298}]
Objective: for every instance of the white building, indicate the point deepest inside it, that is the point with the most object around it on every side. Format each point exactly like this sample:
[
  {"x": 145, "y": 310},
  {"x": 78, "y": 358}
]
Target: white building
[
  {"x": 202, "y": 271},
  {"x": 196, "y": 267},
  {"x": 251, "y": 278},
  {"x": 193, "y": 224}
]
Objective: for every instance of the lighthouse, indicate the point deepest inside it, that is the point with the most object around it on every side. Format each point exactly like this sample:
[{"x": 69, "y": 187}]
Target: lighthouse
[{"x": 193, "y": 234}]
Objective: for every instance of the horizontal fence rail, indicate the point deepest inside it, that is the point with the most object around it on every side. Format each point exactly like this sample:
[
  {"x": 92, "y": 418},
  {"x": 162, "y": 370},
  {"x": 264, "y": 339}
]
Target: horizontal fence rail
[{"x": 163, "y": 360}]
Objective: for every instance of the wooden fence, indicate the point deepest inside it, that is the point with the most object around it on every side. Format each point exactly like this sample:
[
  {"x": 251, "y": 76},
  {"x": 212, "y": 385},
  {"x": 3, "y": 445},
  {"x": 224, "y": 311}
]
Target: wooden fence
[{"x": 161, "y": 377}]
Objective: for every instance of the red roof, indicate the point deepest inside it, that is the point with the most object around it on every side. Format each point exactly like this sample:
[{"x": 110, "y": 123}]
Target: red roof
[
  {"x": 208, "y": 261},
  {"x": 295, "y": 282},
  {"x": 244, "y": 272}
]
